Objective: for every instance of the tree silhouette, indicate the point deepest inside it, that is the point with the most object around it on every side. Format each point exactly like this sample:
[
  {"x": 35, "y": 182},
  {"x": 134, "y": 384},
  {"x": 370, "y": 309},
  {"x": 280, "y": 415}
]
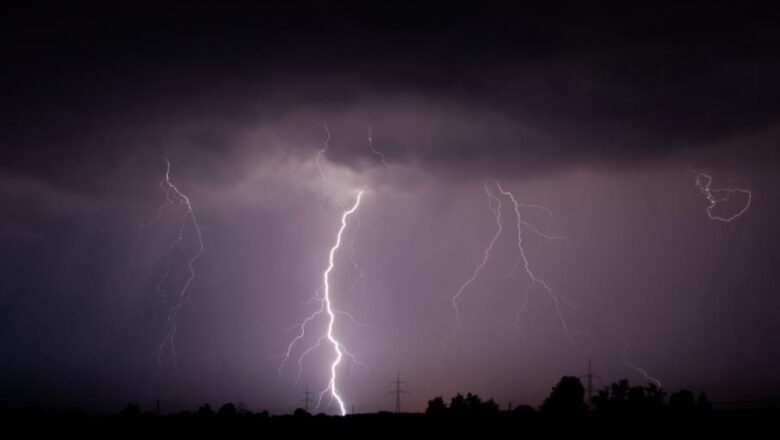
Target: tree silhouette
[
  {"x": 300, "y": 412},
  {"x": 227, "y": 410},
  {"x": 489, "y": 406},
  {"x": 620, "y": 397},
  {"x": 703, "y": 402},
  {"x": 682, "y": 401},
  {"x": 436, "y": 406},
  {"x": 131, "y": 410},
  {"x": 460, "y": 404},
  {"x": 205, "y": 411},
  {"x": 568, "y": 397}
]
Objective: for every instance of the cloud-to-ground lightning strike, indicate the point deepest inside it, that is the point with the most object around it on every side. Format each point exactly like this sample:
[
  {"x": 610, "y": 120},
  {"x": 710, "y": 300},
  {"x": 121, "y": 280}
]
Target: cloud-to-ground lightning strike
[
  {"x": 174, "y": 196},
  {"x": 332, "y": 386},
  {"x": 330, "y": 312},
  {"x": 495, "y": 205},
  {"x": 556, "y": 298},
  {"x": 715, "y": 196},
  {"x": 639, "y": 369}
]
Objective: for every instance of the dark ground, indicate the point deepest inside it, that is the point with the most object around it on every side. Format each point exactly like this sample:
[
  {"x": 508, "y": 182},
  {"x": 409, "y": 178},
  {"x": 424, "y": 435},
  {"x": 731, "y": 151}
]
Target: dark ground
[{"x": 504, "y": 424}]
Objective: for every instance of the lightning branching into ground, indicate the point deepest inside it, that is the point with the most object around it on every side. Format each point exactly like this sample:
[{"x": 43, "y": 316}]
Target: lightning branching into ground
[
  {"x": 376, "y": 152},
  {"x": 173, "y": 197},
  {"x": 640, "y": 370},
  {"x": 556, "y": 298},
  {"x": 337, "y": 347},
  {"x": 716, "y": 196},
  {"x": 330, "y": 313},
  {"x": 494, "y": 204}
]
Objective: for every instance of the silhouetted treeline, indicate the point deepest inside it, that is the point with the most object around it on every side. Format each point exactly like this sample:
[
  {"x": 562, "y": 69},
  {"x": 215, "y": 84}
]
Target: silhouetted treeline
[
  {"x": 469, "y": 404},
  {"x": 568, "y": 398},
  {"x": 620, "y": 397},
  {"x": 619, "y": 409}
]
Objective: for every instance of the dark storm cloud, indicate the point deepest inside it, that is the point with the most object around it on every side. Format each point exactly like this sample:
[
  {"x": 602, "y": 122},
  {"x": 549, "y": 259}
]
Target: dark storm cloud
[{"x": 474, "y": 90}]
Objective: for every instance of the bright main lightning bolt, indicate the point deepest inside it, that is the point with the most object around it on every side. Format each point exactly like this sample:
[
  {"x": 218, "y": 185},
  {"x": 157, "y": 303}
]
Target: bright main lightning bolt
[
  {"x": 329, "y": 308},
  {"x": 326, "y": 307},
  {"x": 704, "y": 183},
  {"x": 536, "y": 281},
  {"x": 174, "y": 196},
  {"x": 485, "y": 257}
]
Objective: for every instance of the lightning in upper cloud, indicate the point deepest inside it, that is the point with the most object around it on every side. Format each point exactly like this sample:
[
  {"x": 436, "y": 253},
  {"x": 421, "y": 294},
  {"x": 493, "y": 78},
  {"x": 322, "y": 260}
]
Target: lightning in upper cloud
[
  {"x": 556, "y": 298},
  {"x": 321, "y": 152},
  {"x": 376, "y": 152},
  {"x": 173, "y": 197},
  {"x": 716, "y": 196},
  {"x": 327, "y": 310},
  {"x": 318, "y": 163}
]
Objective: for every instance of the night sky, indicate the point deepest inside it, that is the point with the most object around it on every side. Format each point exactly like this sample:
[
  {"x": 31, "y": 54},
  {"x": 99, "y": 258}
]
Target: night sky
[{"x": 602, "y": 112}]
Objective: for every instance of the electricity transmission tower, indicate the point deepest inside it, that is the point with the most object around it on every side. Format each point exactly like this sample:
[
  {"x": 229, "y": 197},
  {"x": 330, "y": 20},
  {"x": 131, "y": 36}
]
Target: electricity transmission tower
[
  {"x": 307, "y": 398},
  {"x": 397, "y": 385},
  {"x": 589, "y": 387}
]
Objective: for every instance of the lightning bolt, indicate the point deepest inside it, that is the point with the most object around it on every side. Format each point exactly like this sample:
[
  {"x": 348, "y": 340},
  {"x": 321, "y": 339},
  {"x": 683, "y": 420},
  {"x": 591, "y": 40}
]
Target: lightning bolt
[
  {"x": 639, "y": 369},
  {"x": 337, "y": 347},
  {"x": 359, "y": 274},
  {"x": 321, "y": 197},
  {"x": 173, "y": 197},
  {"x": 326, "y": 309},
  {"x": 376, "y": 152},
  {"x": 556, "y": 298},
  {"x": 715, "y": 196},
  {"x": 495, "y": 205},
  {"x": 321, "y": 152},
  {"x": 492, "y": 199}
]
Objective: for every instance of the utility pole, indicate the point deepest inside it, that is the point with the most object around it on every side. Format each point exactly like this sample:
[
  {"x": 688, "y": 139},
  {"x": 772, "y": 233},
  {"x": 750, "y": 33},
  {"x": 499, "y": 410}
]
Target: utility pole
[
  {"x": 307, "y": 397},
  {"x": 398, "y": 390},
  {"x": 589, "y": 387}
]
